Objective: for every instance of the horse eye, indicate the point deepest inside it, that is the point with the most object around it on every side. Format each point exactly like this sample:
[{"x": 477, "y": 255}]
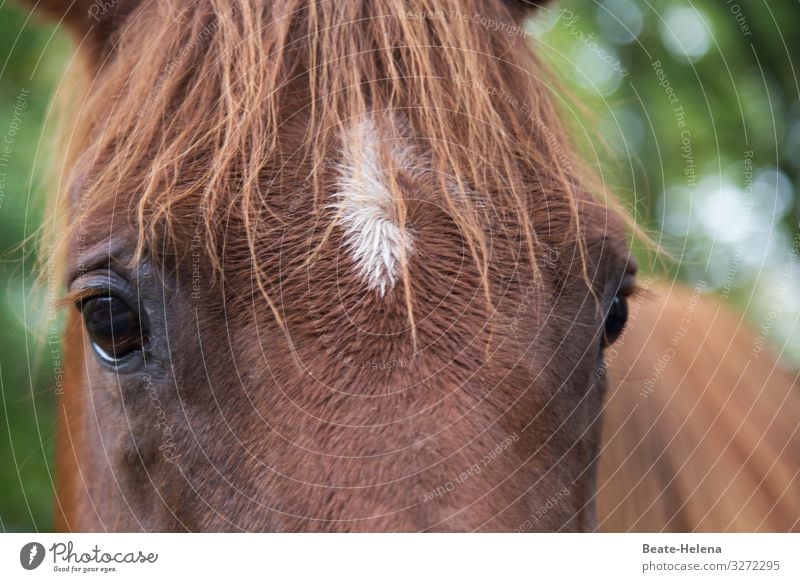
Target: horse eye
[
  {"x": 615, "y": 321},
  {"x": 113, "y": 327}
]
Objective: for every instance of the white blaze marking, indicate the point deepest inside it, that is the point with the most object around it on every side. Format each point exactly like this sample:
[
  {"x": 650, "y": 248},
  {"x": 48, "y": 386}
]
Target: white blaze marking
[{"x": 364, "y": 201}]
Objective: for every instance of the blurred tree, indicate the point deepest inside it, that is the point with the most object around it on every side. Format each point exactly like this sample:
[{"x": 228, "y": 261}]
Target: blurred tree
[
  {"x": 31, "y": 61},
  {"x": 698, "y": 103}
]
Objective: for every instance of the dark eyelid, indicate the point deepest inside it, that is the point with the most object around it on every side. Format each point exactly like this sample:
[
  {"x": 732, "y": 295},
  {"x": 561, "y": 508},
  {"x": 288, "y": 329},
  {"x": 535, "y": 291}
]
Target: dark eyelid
[
  {"x": 101, "y": 283},
  {"x": 628, "y": 286},
  {"x": 77, "y": 297},
  {"x": 105, "y": 255},
  {"x": 108, "y": 264}
]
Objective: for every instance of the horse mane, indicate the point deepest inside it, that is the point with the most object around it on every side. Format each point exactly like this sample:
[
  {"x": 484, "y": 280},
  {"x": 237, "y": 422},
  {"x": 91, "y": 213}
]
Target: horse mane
[{"x": 211, "y": 108}]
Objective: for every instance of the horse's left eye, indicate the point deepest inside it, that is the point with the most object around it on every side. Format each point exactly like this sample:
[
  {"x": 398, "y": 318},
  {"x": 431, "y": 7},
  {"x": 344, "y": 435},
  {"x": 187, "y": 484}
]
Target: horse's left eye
[
  {"x": 615, "y": 321},
  {"x": 113, "y": 327}
]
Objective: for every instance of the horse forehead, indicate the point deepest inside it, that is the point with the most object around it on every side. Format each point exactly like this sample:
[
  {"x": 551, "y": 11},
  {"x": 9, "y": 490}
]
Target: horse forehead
[{"x": 365, "y": 201}]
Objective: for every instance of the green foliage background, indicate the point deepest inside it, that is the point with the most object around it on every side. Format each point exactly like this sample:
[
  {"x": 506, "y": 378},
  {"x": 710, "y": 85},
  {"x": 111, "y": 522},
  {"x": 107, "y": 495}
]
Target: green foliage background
[{"x": 732, "y": 65}]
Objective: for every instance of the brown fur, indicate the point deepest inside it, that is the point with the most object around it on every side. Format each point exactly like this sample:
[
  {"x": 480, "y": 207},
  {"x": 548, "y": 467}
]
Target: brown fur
[{"x": 710, "y": 443}]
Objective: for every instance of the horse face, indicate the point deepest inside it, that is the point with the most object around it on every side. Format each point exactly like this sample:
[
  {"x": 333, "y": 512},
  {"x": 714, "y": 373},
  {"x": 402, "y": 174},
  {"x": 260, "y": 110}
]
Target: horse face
[
  {"x": 353, "y": 341},
  {"x": 203, "y": 415}
]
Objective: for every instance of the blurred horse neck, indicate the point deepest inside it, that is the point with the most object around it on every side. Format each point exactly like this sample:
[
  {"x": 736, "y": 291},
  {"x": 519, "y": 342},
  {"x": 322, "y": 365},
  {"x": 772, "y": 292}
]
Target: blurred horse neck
[{"x": 701, "y": 423}]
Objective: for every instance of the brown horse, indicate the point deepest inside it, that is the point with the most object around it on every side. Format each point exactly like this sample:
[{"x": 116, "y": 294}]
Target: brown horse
[{"x": 335, "y": 267}]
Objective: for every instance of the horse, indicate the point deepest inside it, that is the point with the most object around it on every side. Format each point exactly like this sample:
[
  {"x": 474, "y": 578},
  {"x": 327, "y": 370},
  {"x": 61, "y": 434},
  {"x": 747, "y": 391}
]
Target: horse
[{"x": 338, "y": 267}]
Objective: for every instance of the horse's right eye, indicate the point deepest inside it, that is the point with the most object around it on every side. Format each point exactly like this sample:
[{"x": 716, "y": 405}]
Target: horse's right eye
[
  {"x": 615, "y": 321},
  {"x": 113, "y": 327}
]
